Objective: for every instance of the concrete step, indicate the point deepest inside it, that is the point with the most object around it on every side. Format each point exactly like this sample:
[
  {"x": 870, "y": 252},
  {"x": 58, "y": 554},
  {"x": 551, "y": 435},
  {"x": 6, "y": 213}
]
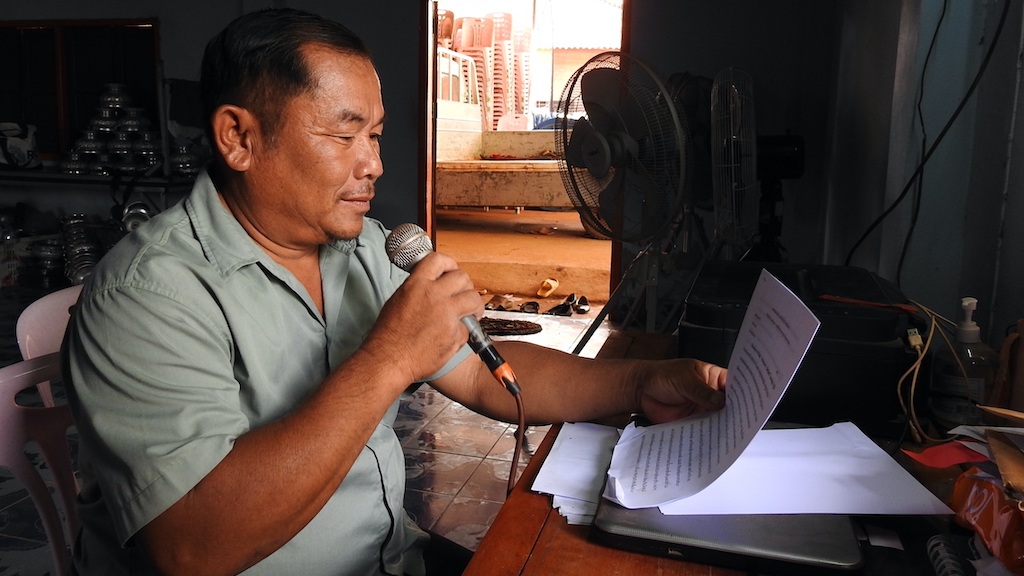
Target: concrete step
[
  {"x": 513, "y": 183},
  {"x": 510, "y": 252}
]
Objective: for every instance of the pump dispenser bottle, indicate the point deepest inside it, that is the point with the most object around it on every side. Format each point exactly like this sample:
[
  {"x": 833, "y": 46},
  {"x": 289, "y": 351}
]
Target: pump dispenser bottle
[{"x": 956, "y": 391}]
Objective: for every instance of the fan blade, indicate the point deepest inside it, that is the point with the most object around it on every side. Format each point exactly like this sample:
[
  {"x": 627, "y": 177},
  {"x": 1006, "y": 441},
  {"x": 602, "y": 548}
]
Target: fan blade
[
  {"x": 600, "y": 89},
  {"x": 574, "y": 150},
  {"x": 611, "y": 203},
  {"x": 589, "y": 149}
]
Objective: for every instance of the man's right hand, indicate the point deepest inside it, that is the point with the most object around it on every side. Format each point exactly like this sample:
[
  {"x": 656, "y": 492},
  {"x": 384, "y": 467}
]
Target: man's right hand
[{"x": 420, "y": 326}]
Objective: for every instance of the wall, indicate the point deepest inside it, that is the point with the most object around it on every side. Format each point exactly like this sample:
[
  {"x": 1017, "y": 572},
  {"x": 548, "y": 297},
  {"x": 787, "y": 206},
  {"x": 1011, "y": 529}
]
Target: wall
[
  {"x": 990, "y": 214},
  {"x": 564, "y": 63},
  {"x": 951, "y": 252},
  {"x": 869, "y": 123},
  {"x": 185, "y": 27},
  {"x": 952, "y": 232},
  {"x": 459, "y": 131}
]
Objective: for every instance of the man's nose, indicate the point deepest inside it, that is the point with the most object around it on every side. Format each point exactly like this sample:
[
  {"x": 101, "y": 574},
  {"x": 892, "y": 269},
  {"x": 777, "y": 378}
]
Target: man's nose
[{"x": 370, "y": 164}]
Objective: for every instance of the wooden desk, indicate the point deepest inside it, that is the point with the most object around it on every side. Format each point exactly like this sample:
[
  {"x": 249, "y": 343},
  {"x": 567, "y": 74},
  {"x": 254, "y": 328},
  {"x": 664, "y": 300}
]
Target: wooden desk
[{"x": 529, "y": 538}]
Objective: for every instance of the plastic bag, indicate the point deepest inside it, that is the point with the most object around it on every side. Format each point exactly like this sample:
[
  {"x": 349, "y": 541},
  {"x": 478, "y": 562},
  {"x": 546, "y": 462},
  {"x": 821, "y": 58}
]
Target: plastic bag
[
  {"x": 18, "y": 148},
  {"x": 981, "y": 503}
]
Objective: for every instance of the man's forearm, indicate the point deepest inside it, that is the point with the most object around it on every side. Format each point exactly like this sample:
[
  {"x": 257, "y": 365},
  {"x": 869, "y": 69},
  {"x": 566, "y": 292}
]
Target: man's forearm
[{"x": 556, "y": 386}]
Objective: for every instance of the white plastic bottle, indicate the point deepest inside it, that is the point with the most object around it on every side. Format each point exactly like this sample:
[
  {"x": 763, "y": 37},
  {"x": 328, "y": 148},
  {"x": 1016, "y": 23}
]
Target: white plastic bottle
[{"x": 955, "y": 392}]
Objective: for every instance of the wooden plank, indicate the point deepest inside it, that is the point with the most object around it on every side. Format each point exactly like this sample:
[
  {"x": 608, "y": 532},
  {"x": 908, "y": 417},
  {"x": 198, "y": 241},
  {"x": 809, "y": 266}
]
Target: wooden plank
[{"x": 511, "y": 537}]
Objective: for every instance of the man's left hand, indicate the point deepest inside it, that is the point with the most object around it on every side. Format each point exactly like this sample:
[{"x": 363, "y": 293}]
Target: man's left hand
[{"x": 673, "y": 389}]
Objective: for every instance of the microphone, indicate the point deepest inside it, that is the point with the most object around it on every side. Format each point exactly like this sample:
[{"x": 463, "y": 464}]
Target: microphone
[{"x": 406, "y": 245}]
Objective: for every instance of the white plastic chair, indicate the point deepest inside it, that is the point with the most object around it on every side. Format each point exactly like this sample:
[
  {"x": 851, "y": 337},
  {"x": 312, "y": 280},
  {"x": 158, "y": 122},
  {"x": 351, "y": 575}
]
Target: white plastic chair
[
  {"x": 41, "y": 326},
  {"x": 47, "y": 427}
]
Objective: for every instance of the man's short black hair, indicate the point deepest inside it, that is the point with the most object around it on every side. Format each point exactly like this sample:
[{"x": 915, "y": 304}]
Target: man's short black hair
[{"x": 256, "y": 62}]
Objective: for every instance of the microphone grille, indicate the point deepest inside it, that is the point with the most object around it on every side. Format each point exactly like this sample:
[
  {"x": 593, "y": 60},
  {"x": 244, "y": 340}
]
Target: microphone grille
[{"x": 406, "y": 245}]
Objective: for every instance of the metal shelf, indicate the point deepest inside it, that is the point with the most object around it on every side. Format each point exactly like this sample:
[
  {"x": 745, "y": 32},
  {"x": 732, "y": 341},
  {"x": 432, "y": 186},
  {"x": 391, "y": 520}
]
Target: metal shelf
[{"x": 143, "y": 185}]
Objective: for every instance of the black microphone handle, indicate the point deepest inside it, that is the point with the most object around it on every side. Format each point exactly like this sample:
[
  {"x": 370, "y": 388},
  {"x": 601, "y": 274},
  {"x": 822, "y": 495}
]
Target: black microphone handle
[{"x": 482, "y": 345}]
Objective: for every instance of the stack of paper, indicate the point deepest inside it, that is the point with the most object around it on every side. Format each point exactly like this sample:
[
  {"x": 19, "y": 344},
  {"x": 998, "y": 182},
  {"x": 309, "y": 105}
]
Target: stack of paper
[
  {"x": 833, "y": 470},
  {"x": 574, "y": 471}
]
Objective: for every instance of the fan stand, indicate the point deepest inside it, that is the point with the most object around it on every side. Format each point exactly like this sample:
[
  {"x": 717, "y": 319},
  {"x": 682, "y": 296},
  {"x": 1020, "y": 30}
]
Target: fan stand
[
  {"x": 768, "y": 248},
  {"x": 778, "y": 158},
  {"x": 612, "y": 298},
  {"x": 691, "y": 235},
  {"x": 652, "y": 265}
]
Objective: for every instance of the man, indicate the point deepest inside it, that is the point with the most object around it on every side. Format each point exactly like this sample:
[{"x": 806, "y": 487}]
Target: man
[{"x": 235, "y": 364}]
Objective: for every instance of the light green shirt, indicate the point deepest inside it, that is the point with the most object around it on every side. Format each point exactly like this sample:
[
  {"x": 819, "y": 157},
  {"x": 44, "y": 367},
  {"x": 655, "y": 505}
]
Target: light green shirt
[{"x": 187, "y": 335}]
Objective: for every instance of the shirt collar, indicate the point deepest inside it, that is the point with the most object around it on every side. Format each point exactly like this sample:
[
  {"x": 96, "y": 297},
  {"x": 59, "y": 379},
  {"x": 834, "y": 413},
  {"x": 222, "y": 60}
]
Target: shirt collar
[{"x": 225, "y": 242}]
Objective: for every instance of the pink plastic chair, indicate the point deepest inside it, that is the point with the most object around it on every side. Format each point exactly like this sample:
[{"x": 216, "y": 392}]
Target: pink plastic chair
[
  {"x": 445, "y": 28},
  {"x": 47, "y": 427},
  {"x": 41, "y": 326}
]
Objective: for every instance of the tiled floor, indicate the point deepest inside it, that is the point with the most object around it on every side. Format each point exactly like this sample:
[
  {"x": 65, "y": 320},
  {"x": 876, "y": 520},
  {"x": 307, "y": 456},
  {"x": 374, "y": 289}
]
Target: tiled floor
[
  {"x": 457, "y": 465},
  {"x": 457, "y": 462}
]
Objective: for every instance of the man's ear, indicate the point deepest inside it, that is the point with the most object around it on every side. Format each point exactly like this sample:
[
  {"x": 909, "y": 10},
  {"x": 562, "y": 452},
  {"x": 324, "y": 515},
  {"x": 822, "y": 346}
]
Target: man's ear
[{"x": 235, "y": 132}]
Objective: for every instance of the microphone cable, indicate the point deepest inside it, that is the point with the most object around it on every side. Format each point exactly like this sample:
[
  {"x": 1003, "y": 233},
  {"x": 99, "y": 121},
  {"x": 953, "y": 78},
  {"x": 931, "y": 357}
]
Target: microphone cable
[{"x": 519, "y": 434}]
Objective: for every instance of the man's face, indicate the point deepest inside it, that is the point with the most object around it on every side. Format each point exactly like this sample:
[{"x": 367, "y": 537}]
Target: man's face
[{"x": 313, "y": 181}]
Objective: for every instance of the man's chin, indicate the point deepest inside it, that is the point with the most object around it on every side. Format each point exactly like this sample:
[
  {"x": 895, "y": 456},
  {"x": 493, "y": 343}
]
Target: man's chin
[{"x": 348, "y": 232}]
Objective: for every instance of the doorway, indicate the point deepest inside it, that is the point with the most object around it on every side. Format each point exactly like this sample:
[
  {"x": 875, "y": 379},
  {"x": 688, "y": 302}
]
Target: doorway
[{"x": 499, "y": 204}]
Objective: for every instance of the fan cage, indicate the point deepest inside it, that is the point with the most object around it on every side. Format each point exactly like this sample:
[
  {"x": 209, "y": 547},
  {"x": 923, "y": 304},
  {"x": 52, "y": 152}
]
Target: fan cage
[
  {"x": 649, "y": 179},
  {"x": 734, "y": 158}
]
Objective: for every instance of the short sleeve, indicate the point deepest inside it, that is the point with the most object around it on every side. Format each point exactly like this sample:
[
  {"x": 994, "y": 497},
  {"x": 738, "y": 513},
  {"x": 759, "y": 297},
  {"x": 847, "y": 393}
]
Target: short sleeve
[{"x": 152, "y": 384}]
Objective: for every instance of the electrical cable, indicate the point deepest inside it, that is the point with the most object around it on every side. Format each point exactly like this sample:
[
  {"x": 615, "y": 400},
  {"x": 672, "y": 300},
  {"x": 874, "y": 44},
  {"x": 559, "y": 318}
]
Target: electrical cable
[
  {"x": 919, "y": 432},
  {"x": 921, "y": 346},
  {"x": 520, "y": 433},
  {"x": 919, "y": 189},
  {"x": 915, "y": 343},
  {"x": 507, "y": 379},
  {"x": 942, "y": 134}
]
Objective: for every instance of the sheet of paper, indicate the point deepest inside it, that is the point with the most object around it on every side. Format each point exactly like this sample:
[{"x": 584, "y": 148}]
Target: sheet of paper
[
  {"x": 658, "y": 464},
  {"x": 978, "y": 432},
  {"x": 576, "y": 466},
  {"x": 833, "y": 470},
  {"x": 578, "y": 512}
]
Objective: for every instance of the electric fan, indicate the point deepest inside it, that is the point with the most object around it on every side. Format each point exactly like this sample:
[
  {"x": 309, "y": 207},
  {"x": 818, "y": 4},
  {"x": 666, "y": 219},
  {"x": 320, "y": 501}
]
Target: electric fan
[
  {"x": 621, "y": 148},
  {"x": 622, "y": 155},
  {"x": 733, "y": 164}
]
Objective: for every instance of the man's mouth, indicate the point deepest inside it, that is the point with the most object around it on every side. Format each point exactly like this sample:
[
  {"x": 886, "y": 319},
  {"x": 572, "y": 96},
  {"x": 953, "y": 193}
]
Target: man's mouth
[
  {"x": 361, "y": 199},
  {"x": 362, "y": 196}
]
